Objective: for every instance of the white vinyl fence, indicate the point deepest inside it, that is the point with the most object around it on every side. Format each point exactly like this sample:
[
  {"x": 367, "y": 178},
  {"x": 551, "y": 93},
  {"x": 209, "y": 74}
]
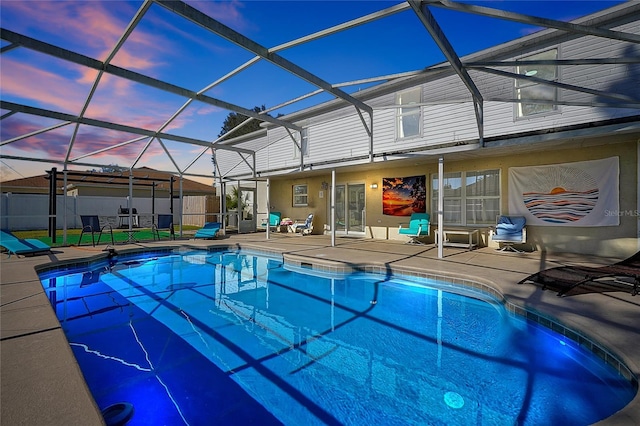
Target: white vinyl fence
[{"x": 31, "y": 211}]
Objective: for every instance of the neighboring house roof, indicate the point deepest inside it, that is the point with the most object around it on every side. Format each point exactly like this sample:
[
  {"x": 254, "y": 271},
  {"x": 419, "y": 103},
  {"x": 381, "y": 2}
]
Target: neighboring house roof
[
  {"x": 142, "y": 175},
  {"x": 31, "y": 184}
]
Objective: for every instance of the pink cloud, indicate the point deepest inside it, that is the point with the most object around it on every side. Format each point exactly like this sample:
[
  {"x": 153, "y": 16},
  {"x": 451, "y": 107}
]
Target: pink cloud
[
  {"x": 116, "y": 99},
  {"x": 93, "y": 28},
  {"x": 209, "y": 109},
  {"x": 227, "y": 12},
  {"x": 47, "y": 88},
  {"x": 90, "y": 23},
  {"x": 52, "y": 144}
]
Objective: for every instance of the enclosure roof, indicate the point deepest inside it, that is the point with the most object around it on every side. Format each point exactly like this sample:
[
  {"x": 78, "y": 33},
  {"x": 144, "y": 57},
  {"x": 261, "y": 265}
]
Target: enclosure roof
[{"x": 91, "y": 84}]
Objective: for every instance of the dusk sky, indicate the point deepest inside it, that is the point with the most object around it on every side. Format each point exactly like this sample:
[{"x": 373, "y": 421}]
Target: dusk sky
[{"x": 170, "y": 48}]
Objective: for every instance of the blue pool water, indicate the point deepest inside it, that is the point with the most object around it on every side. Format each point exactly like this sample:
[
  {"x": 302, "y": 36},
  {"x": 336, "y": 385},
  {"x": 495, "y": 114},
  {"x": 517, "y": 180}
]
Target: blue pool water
[{"x": 236, "y": 338}]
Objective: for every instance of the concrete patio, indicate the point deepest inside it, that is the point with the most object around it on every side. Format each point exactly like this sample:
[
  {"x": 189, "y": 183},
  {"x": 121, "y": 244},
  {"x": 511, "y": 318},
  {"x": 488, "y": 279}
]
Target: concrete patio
[{"x": 43, "y": 385}]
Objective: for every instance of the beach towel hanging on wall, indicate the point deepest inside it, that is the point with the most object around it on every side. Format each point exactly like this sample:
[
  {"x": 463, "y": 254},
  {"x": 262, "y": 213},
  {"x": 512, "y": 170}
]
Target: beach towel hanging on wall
[
  {"x": 583, "y": 193},
  {"x": 404, "y": 195}
]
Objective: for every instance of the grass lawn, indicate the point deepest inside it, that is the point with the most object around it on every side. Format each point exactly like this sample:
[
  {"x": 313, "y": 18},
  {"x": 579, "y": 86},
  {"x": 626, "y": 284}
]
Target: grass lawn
[{"x": 119, "y": 236}]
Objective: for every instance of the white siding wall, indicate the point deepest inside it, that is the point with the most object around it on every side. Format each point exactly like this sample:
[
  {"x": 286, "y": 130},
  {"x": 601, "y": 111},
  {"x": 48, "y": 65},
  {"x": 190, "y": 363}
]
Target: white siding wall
[
  {"x": 449, "y": 123},
  {"x": 280, "y": 150},
  {"x": 384, "y": 131},
  {"x": 339, "y": 134},
  {"x": 232, "y": 163},
  {"x": 345, "y": 137}
]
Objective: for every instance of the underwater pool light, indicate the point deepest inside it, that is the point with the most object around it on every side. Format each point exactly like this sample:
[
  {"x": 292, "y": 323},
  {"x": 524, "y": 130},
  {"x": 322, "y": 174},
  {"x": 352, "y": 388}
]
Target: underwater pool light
[{"x": 453, "y": 400}]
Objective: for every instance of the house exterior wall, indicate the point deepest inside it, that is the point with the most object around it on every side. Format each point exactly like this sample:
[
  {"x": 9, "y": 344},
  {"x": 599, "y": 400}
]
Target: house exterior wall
[
  {"x": 617, "y": 241},
  {"x": 337, "y": 138}
]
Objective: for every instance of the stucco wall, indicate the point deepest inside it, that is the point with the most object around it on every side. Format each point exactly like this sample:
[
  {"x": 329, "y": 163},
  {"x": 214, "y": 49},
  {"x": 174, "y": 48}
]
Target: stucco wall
[{"x": 616, "y": 241}]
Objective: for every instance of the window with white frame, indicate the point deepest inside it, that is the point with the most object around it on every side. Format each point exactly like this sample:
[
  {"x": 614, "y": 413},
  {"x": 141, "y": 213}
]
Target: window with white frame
[
  {"x": 534, "y": 91},
  {"x": 409, "y": 113},
  {"x": 300, "y": 196},
  {"x": 470, "y": 198},
  {"x": 304, "y": 144}
]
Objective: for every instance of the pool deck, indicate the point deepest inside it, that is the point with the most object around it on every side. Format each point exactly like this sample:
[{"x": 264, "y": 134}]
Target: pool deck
[{"x": 41, "y": 383}]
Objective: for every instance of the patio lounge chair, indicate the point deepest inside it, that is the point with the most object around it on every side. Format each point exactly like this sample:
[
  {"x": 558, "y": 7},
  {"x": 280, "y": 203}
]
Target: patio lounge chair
[
  {"x": 274, "y": 220},
  {"x": 209, "y": 230},
  {"x": 417, "y": 227},
  {"x": 572, "y": 280},
  {"x": 92, "y": 224},
  {"x": 19, "y": 246},
  {"x": 509, "y": 230},
  {"x": 165, "y": 222},
  {"x": 305, "y": 228}
]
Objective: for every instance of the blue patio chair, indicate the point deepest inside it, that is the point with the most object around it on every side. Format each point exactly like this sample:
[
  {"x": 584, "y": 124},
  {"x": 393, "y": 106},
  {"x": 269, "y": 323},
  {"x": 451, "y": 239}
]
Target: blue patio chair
[
  {"x": 509, "y": 230},
  {"x": 19, "y": 246},
  {"x": 209, "y": 230},
  {"x": 305, "y": 228},
  {"x": 165, "y": 222},
  {"x": 92, "y": 224},
  {"x": 417, "y": 227}
]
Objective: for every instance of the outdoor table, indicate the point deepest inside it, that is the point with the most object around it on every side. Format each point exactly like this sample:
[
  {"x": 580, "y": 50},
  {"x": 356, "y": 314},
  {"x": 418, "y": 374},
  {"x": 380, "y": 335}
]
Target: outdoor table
[{"x": 470, "y": 232}]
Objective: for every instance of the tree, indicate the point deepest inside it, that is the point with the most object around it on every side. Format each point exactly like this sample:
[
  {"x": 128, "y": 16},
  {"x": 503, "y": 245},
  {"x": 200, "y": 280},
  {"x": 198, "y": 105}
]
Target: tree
[
  {"x": 233, "y": 119},
  {"x": 111, "y": 168}
]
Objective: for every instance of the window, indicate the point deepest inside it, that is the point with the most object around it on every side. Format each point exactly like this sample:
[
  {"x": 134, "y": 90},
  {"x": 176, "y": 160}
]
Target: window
[
  {"x": 409, "y": 117},
  {"x": 470, "y": 198},
  {"x": 304, "y": 144},
  {"x": 531, "y": 90},
  {"x": 300, "y": 197}
]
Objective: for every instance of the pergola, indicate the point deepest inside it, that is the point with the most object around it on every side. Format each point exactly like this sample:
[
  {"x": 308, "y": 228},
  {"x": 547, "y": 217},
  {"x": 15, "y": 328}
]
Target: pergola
[{"x": 140, "y": 140}]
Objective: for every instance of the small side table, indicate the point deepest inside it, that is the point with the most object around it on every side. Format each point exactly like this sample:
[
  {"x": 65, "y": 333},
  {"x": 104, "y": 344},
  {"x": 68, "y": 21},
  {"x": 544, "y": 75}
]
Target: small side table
[{"x": 470, "y": 232}]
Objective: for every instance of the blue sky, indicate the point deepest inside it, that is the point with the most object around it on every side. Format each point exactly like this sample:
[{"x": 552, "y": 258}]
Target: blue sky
[{"x": 172, "y": 49}]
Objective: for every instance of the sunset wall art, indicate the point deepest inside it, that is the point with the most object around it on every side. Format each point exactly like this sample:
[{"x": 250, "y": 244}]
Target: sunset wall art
[{"x": 403, "y": 196}]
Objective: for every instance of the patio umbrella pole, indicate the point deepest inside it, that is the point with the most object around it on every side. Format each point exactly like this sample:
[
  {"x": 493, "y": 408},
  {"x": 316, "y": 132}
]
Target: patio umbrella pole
[
  {"x": 130, "y": 205},
  {"x": 153, "y": 203},
  {"x": 64, "y": 206},
  {"x": 53, "y": 177},
  {"x": 180, "y": 206}
]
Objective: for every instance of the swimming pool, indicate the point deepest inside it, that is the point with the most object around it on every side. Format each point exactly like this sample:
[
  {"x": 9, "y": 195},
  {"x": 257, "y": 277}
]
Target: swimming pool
[{"x": 204, "y": 338}]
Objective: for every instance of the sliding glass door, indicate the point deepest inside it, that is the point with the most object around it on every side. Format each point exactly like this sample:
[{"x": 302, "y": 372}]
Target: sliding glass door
[{"x": 350, "y": 209}]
